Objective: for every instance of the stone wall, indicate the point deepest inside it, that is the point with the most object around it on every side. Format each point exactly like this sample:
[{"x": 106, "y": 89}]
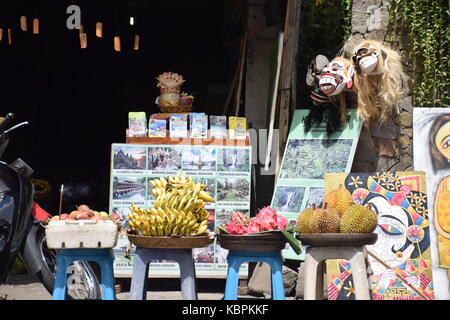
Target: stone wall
[{"x": 388, "y": 147}]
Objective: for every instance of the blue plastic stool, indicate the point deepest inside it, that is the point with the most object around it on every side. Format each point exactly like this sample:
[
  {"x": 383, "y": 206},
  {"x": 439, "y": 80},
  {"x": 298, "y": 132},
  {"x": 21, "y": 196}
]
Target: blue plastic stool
[
  {"x": 142, "y": 259},
  {"x": 105, "y": 259},
  {"x": 236, "y": 258}
]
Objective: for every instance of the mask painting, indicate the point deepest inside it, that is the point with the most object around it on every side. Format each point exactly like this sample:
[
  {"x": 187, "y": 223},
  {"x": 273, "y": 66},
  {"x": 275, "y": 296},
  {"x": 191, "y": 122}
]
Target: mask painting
[{"x": 401, "y": 257}]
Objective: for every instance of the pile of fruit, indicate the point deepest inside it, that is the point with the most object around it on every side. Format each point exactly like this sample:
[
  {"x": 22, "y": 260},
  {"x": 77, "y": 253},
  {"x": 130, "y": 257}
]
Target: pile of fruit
[
  {"x": 179, "y": 209},
  {"x": 83, "y": 212},
  {"x": 266, "y": 220},
  {"x": 338, "y": 215}
]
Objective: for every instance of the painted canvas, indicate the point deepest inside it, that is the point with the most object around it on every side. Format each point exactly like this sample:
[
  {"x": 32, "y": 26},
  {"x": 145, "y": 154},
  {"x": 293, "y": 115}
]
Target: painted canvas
[
  {"x": 431, "y": 154},
  {"x": 401, "y": 258}
]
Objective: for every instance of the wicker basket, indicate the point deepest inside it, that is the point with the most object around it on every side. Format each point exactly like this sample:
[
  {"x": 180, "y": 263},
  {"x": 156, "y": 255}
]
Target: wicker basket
[
  {"x": 253, "y": 243},
  {"x": 337, "y": 239},
  {"x": 176, "y": 109},
  {"x": 180, "y": 242}
]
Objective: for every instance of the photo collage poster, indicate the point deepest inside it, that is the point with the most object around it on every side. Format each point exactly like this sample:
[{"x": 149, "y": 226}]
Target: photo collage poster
[
  {"x": 307, "y": 157},
  {"x": 431, "y": 130},
  {"x": 400, "y": 259},
  {"x": 226, "y": 170}
]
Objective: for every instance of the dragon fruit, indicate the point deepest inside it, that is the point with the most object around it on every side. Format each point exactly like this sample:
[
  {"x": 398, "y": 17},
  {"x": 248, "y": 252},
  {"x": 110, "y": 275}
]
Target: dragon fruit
[
  {"x": 267, "y": 219},
  {"x": 238, "y": 224}
]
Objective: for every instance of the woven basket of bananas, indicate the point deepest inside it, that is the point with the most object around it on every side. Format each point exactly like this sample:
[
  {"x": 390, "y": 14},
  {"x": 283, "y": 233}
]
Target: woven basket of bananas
[
  {"x": 172, "y": 242},
  {"x": 178, "y": 213}
]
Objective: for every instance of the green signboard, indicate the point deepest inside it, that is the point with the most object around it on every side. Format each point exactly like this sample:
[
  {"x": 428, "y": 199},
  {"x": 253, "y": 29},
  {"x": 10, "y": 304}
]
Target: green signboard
[{"x": 307, "y": 157}]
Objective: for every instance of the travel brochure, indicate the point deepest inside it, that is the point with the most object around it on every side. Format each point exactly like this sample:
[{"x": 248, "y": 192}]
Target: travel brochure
[
  {"x": 226, "y": 170},
  {"x": 184, "y": 125},
  {"x": 218, "y": 126},
  {"x": 238, "y": 128}
]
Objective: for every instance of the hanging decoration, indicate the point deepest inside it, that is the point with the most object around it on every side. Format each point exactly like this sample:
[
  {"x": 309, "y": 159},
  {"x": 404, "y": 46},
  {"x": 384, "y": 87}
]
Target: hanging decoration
[
  {"x": 322, "y": 109},
  {"x": 336, "y": 81},
  {"x": 133, "y": 23},
  {"x": 23, "y": 23},
  {"x": 117, "y": 43},
  {"x": 35, "y": 18},
  {"x": 378, "y": 80},
  {"x": 9, "y": 36},
  {"x": 99, "y": 24}
]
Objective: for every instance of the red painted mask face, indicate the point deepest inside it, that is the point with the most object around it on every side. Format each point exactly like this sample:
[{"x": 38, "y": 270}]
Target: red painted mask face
[{"x": 335, "y": 77}]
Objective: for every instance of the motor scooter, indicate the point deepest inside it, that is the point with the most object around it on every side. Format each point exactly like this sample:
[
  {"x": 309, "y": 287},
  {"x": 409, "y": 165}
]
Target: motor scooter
[{"x": 22, "y": 230}]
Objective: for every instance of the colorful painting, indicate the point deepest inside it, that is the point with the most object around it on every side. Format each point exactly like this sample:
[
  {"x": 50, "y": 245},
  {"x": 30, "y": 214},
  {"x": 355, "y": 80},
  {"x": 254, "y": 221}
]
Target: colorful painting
[
  {"x": 431, "y": 154},
  {"x": 401, "y": 257}
]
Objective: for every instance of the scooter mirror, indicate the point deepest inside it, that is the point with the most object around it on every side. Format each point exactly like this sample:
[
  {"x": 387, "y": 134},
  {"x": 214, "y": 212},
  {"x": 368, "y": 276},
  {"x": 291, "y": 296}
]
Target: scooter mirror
[{"x": 7, "y": 120}]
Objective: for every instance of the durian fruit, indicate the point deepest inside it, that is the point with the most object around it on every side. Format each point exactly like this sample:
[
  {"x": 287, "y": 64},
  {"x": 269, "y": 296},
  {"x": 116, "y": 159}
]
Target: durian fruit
[
  {"x": 340, "y": 199},
  {"x": 303, "y": 220},
  {"x": 324, "y": 220},
  {"x": 358, "y": 219}
]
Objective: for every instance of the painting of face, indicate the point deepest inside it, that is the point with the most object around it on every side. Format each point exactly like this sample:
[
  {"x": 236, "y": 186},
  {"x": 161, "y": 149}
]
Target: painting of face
[
  {"x": 392, "y": 244},
  {"x": 336, "y": 76},
  {"x": 401, "y": 258},
  {"x": 442, "y": 140}
]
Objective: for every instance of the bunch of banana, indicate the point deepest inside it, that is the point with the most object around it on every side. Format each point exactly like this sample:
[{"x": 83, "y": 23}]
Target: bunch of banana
[{"x": 178, "y": 209}]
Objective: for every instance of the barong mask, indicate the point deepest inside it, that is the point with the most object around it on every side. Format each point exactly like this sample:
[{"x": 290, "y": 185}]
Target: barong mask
[
  {"x": 367, "y": 57},
  {"x": 378, "y": 81},
  {"x": 336, "y": 76},
  {"x": 315, "y": 68}
]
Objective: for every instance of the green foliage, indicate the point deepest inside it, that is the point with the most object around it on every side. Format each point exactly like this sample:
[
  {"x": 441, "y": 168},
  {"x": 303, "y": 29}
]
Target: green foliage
[
  {"x": 426, "y": 22},
  {"x": 325, "y": 25}
]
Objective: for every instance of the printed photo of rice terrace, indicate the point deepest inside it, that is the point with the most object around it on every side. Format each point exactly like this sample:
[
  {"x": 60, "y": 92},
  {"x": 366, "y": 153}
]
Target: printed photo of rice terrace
[
  {"x": 129, "y": 188},
  {"x": 311, "y": 158},
  {"x": 164, "y": 158},
  {"x": 233, "y": 189},
  {"x": 129, "y": 158},
  {"x": 315, "y": 197},
  {"x": 237, "y": 160},
  {"x": 288, "y": 199},
  {"x": 199, "y": 159}
]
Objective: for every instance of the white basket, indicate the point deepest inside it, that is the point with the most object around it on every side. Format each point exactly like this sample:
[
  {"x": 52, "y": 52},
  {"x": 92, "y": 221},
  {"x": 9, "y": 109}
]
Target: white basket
[{"x": 81, "y": 234}]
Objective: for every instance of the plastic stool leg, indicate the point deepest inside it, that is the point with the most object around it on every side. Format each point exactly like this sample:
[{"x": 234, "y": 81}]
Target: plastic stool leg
[
  {"x": 139, "y": 280},
  {"x": 276, "y": 265},
  {"x": 231, "y": 285},
  {"x": 107, "y": 272},
  {"x": 187, "y": 275},
  {"x": 60, "y": 288}
]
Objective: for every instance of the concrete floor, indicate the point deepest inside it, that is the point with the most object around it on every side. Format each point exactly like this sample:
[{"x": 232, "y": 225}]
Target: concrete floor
[{"x": 26, "y": 287}]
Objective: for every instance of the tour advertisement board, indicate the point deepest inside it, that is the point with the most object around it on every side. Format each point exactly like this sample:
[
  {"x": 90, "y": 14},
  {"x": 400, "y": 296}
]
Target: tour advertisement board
[
  {"x": 307, "y": 157},
  {"x": 226, "y": 170}
]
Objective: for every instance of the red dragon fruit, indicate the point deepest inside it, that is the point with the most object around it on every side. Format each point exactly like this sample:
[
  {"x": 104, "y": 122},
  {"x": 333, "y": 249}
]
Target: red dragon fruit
[
  {"x": 238, "y": 224},
  {"x": 266, "y": 220}
]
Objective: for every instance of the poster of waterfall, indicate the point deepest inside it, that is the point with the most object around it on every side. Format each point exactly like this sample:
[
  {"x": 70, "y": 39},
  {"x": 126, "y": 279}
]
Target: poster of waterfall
[
  {"x": 225, "y": 170},
  {"x": 307, "y": 157}
]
